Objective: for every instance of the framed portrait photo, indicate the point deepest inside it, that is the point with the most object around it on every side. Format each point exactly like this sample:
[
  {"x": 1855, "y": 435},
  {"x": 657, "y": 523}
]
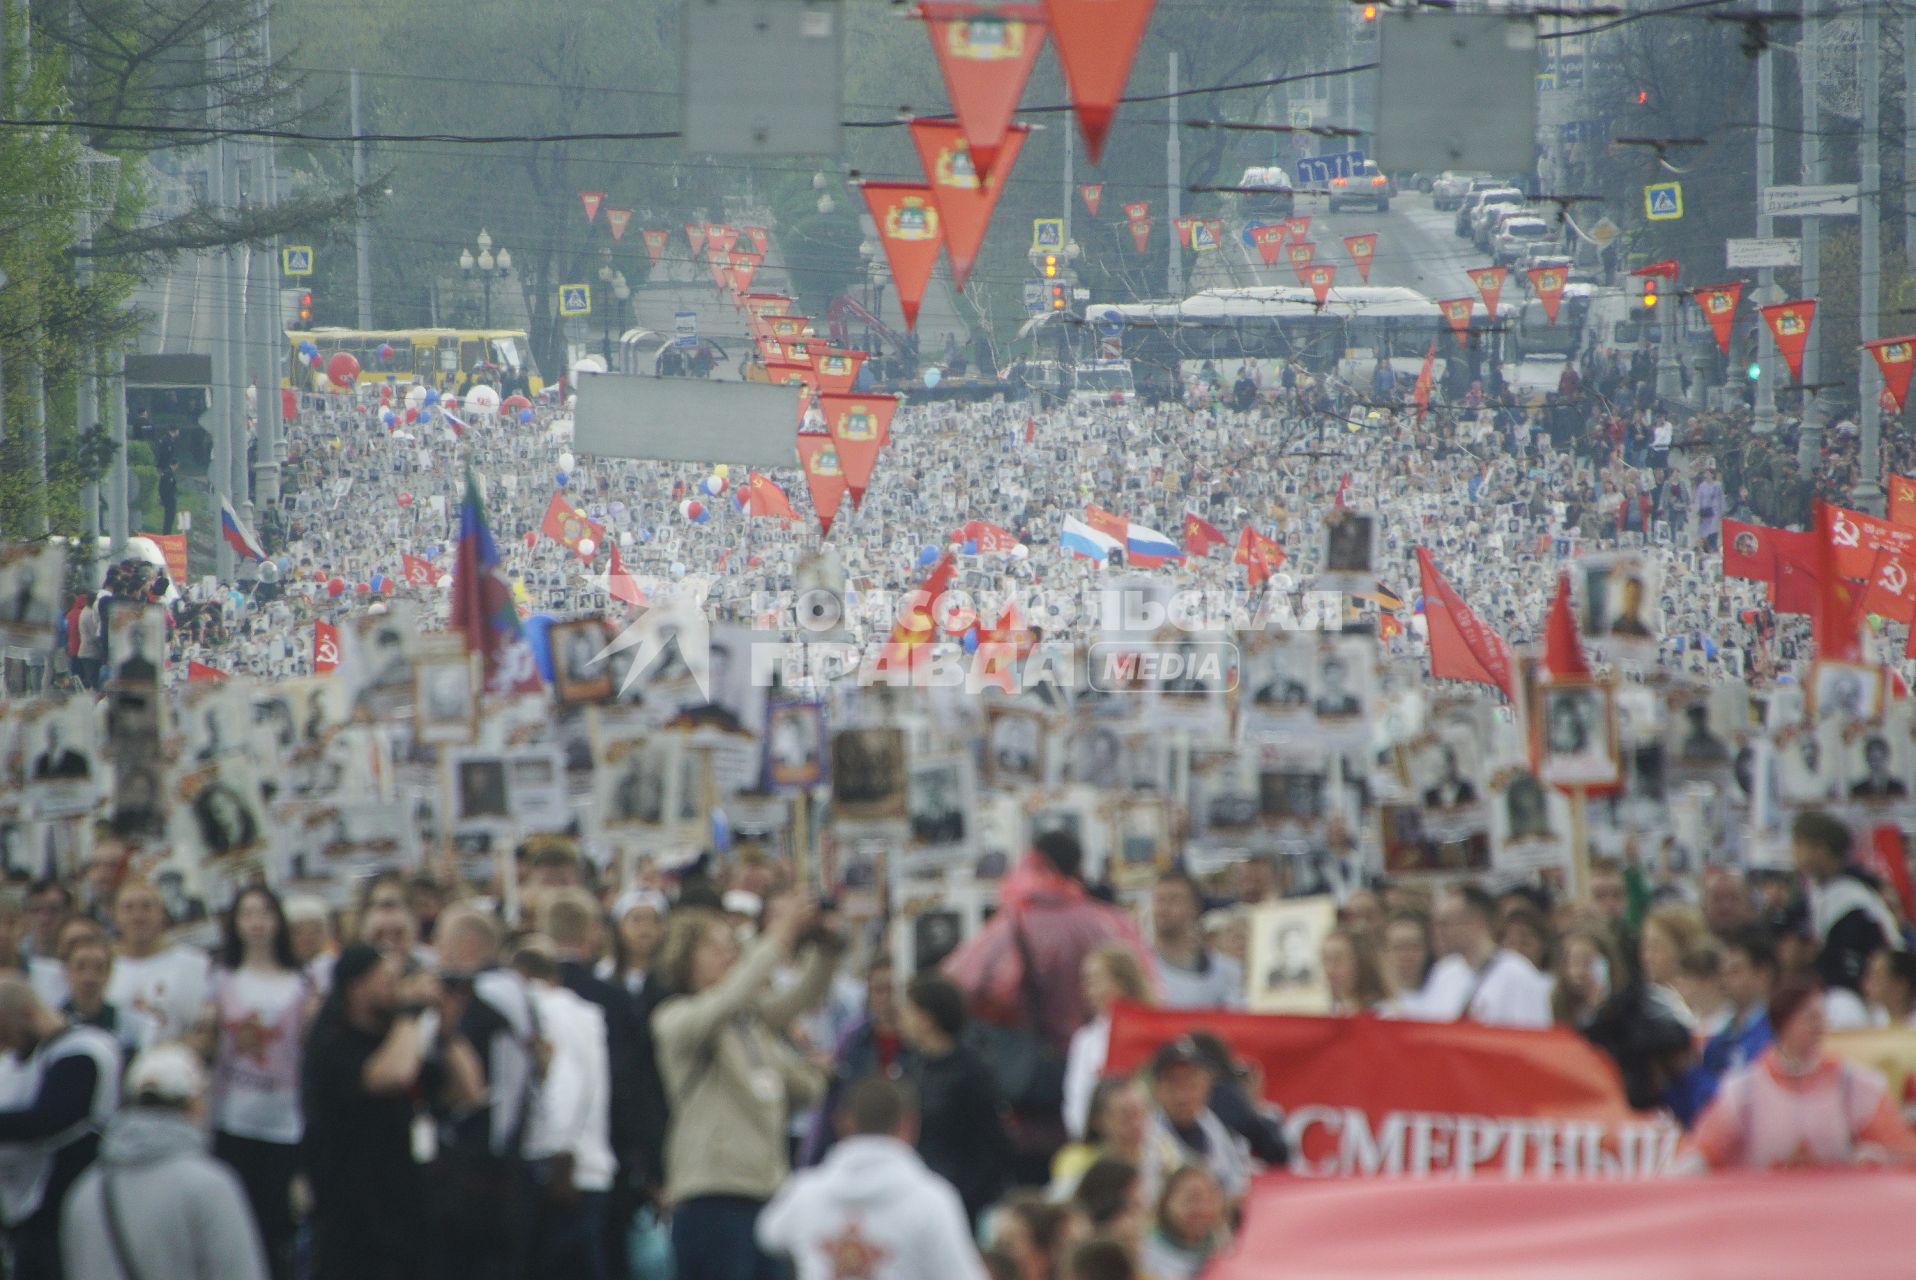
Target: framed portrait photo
[
  {"x": 580, "y": 672},
  {"x": 1579, "y": 734}
]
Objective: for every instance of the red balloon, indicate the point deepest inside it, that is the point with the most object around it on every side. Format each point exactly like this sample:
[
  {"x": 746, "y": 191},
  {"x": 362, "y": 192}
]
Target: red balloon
[
  {"x": 288, "y": 403},
  {"x": 405, "y": 499},
  {"x": 343, "y": 368},
  {"x": 336, "y": 588},
  {"x": 532, "y": 539},
  {"x": 319, "y": 575},
  {"x": 515, "y": 402},
  {"x": 388, "y": 586},
  {"x": 412, "y": 415},
  {"x": 449, "y": 402},
  {"x": 386, "y": 391},
  {"x": 316, "y": 362},
  {"x": 362, "y": 588}
]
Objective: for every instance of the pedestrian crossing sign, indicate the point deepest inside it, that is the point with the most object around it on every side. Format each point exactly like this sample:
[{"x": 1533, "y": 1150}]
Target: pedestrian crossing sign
[
  {"x": 1663, "y": 201},
  {"x": 575, "y": 299},
  {"x": 296, "y": 260},
  {"x": 1047, "y": 235}
]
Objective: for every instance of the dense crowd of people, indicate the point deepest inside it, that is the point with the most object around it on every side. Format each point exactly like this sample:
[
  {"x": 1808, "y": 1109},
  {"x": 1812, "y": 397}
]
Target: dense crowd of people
[{"x": 592, "y": 1057}]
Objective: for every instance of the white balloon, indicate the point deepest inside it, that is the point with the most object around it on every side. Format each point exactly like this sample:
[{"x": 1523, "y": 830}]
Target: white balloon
[
  {"x": 625, "y": 538},
  {"x": 587, "y": 548},
  {"x": 567, "y": 462},
  {"x": 481, "y": 399},
  {"x": 415, "y": 397}
]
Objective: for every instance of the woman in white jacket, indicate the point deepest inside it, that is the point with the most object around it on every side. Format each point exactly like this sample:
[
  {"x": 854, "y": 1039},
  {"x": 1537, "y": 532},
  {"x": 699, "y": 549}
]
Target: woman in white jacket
[{"x": 1111, "y": 973}]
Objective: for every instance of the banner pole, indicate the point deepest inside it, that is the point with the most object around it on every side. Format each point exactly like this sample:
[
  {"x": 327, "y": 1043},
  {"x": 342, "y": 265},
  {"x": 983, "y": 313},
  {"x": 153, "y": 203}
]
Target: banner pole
[
  {"x": 802, "y": 839},
  {"x": 1579, "y": 845}
]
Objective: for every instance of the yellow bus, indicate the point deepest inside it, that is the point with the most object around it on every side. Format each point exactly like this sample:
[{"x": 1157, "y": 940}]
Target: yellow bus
[{"x": 441, "y": 358}]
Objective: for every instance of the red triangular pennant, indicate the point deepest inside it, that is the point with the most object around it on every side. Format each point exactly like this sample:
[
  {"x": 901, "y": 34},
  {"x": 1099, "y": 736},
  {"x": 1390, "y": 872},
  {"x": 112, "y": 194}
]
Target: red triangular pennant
[
  {"x": 1092, "y": 193},
  {"x": 1097, "y": 40},
  {"x": 911, "y": 231},
  {"x": 1789, "y": 324},
  {"x": 836, "y": 371},
  {"x": 964, "y": 200},
  {"x": 824, "y": 477},
  {"x": 1490, "y": 286},
  {"x": 1457, "y": 311},
  {"x": 655, "y": 240},
  {"x": 1362, "y": 249},
  {"x": 1719, "y": 307},
  {"x": 860, "y": 427},
  {"x": 985, "y": 52},
  {"x": 616, "y": 220},
  {"x": 1547, "y": 283},
  {"x": 1893, "y": 359},
  {"x": 591, "y": 200}
]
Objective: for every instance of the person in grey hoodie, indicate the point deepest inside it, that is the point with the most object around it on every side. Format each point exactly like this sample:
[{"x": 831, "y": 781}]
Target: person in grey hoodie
[{"x": 156, "y": 1205}]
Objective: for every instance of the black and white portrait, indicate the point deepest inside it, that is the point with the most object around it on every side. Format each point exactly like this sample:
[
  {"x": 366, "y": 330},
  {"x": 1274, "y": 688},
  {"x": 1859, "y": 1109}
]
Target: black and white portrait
[
  {"x": 940, "y": 803},
  {"x": 1286, "y": 966},
  {"x": 1846, "y": 691},
  {"x": 135, "y": 642},
  {"x": 1349, "y": 543},
  {"x": 1014, "y": 747},
  {"x": 443, "y": 698},
  {"x": 1578, "y": 735},
  {"x": 1876, "y": 768},
  {"x": 794, "y": 744},
  {"x": 581, "y": 676},
  {"x": 227, "y": 820},
  {"x": 30, "y": 595},
  {"x": 479, "y": 789},
  {"x": 1339, "y": 684},
  {"x": 634, "y": 778},
  {"x": 868, "y": 774}
]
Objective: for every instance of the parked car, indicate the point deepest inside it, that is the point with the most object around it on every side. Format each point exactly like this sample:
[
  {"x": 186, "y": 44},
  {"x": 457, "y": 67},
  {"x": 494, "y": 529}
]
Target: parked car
[
  {"x": 1471, "y": 216},
  {"x": 1371, "y": 186},
  {"x": 1516, "y": 234},
  {"x": 1490, "y": 217},
  {"x": 1448, "y": 189}
]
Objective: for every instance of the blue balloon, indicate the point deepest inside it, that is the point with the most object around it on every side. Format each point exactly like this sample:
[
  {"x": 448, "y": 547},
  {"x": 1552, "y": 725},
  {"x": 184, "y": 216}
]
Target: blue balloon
[
  {"x": 563, "y": 479},
  {"x": 645, "y": 535},
  {"x": 525, "y": 415},
  {"x": 927, "y": 557},
  {"x": 538, "y": 629},
  {"x": 971, "y": 546},
  {"x": 432, "y": 397},
  {"x": 432, "y": 552},
  {"x": 970, "y": 641}
]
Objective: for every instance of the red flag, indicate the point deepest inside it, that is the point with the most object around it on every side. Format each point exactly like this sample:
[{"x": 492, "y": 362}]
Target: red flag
[
  {"x": 909, "y": 227},
  {"x": 1891, "y": 590},
  {"x": 1891, "y": 863},
  {"x": 1319, "y": 277},
  {"x": 1795, "y": 588},
  {"x": 1857, "y": 539},
  {"x": 1461, "y": 646},
  {"x": 1667, "y": 269},
  {"x": 655, "y": 239},
  {"x": 1092, "y": 193},
  {"x": 569, "y": 527},
  {"x": 1362, "y": 249},
  {"x": 1420, "y": 394},
  {"x": 859, "y": 426},
  {"x": 420, "y": 572},
  {"x": 695, "y": 236},
  {"x": 985, "y": 53},
  {"x": 591, "y": 200},
  {"x": 1104, "y": 522},
  {"x": 1184, "y": 226},
  {"x": 1200, "y": 535},
  {"x": 616, "y": 220},
  {"x": 836, "y": 370},
  {"x": 1388, "y": 627},
  {"x": 1748, "y": 552},
  {"x": 1894, "y": 358},
  {"x": 916, "y": 626},
  {"x": 1490, "y": 286},
  {"x": 824, "y": 477},
  {"x": 964, "y": 198},
  {"x": 173, "y": 547},
  {"x": 620, "y": 583},
  {"x": 1457, "y": 311},
  {"x": 1260, "y": 556},
  {"x": 1097, "y": 39},
  {"x": 761, "y": 240},
  {"x": 198, "y": 672},
  {"x": 1140, "y": 233},
  {"x": 482, "y": 607},
  {"x": 719, "y": 239},
  {"x": 744, "y": 267},
  {"x": 1547, "y": 283},
  {"x": 1562, "y": 646},
  {"x": 1833, "y": 624},
  {"x": 325, "y": 648},
  {"x": 1719, "y": 307},
  {"x": 1789, "y": 324},
  {"x": 1300, "y": 253},
  {"x": 1137, "y": 210},
  {"x": 760, "y": 497},
  {"x": 1300, "y": 226},
  {"x": 1269, "y": 240},
  {"x": 1902, "y": 500},
  {"x": 992, "y": 539},
  {"x": 1031, "y": 430}
]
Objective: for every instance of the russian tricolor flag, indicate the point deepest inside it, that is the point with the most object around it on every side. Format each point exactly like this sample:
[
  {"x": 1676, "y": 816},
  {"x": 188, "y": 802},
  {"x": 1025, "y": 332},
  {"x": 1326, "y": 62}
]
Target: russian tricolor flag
[
  {"x": 1080, "y": 539},
  {"x": 242, "y": 539},
  {"x": 1147, "y": 548}
]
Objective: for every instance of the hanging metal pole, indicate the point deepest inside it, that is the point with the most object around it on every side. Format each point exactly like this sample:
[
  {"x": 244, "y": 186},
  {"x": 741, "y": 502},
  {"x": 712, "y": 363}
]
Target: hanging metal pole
[
  {"x": 1174, "y": 166},
  {"x": 362, "y": 233},
  {"x": 1868, "y": 494},
  {"x": 1809, "y": 441},
  {"x": 1765, "y": 404}
]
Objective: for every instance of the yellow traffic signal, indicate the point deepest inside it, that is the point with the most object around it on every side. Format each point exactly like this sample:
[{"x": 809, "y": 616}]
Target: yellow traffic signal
[
  {"x": 1050, "y": 265},
  {"x": 1370, "y": 13},
  {"x": 1650, "y": 292},
  {"x": 306, "y": 310},
  {"x": 1057, "y": 297}
]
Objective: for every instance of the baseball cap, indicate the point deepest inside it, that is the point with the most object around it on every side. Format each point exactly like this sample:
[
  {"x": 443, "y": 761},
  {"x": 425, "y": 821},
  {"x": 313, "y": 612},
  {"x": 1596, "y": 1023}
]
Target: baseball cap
[
  {"x": 168, "y": 1073},
  {"x": 1181, "y": 1052}
]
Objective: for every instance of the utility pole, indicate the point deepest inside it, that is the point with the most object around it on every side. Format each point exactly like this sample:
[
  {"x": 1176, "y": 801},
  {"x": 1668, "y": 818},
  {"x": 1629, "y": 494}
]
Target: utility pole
[
  {"x": 1909, "y": 139},
  {"x": 221, "y": 270},
  {"x": 272, "y": 335},
  {"x": 1809, "y": 441},
  {"x": 1765, "y": 408},
  {"x": 117, "y": 523},
  {"x": 86, "y": 391},
  {"x": 1070, "y": 173},
  {"x": 362, "y": 241},
  {"x": 1868, "y": 494},
  {"x": 15, "y": 80},
  {"x": 1174, "y": 166}
]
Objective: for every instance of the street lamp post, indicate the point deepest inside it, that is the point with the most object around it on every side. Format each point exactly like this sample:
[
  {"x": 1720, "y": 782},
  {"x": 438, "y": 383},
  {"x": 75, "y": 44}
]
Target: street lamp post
[
  {"x": 487, "y": 268},
  {"x": 616, "y": 291}
]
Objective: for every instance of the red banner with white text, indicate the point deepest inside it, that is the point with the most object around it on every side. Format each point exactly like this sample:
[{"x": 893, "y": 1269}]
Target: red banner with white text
[{"x": 1492, "y": 1101}]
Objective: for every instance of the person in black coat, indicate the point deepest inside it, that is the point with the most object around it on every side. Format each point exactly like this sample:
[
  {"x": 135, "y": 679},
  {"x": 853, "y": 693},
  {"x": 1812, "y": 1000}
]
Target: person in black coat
[{"x": 961, "y": 1131}]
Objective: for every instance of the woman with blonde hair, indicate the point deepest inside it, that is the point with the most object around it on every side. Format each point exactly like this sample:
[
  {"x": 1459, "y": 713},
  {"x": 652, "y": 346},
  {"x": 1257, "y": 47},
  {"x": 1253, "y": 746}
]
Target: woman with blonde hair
[
  {"x": 1111, "y": 973},
  {"x": 1670, "y": 932},
  {"x": 731, "y": 1075}
]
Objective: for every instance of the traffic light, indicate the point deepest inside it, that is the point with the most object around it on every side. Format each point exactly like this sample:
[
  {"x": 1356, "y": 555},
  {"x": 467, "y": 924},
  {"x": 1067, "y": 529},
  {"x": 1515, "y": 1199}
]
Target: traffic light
[
  {"x": 1057, "y": 297},
  {"x": 1369, "y": 13},
  {"x": 1050, "y": 266},
  {"x": 1644, "y": 297},
  {"x": 1755, "y": 370},
  {"x": 303, "y": 317}
]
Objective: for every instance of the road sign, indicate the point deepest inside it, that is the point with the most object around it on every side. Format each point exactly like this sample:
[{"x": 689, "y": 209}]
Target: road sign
[
  {"x": 685, "y": 328},
  {"x": 1111, "y": 322},
  {"x": 1763, "y": 253},
  {"x": 1321, "y": 169},
  {"x": 296, "y": 260},
  {"x": 1831, "y": 200},
  {"x": 1047, "y": 235},
  {"x": 575, "y": 299},
  {"x": 1605, "y": 233},
  {"x": 1035, "y": 297},
  {"x": 1663, "y": 201},
  {"x": 1081, "y": 295},
  {"x": 1300, "y": 117}
]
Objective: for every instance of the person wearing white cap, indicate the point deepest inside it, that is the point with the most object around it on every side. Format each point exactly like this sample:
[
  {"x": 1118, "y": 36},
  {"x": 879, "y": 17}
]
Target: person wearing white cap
[{"x": 156, "y": 1203}]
